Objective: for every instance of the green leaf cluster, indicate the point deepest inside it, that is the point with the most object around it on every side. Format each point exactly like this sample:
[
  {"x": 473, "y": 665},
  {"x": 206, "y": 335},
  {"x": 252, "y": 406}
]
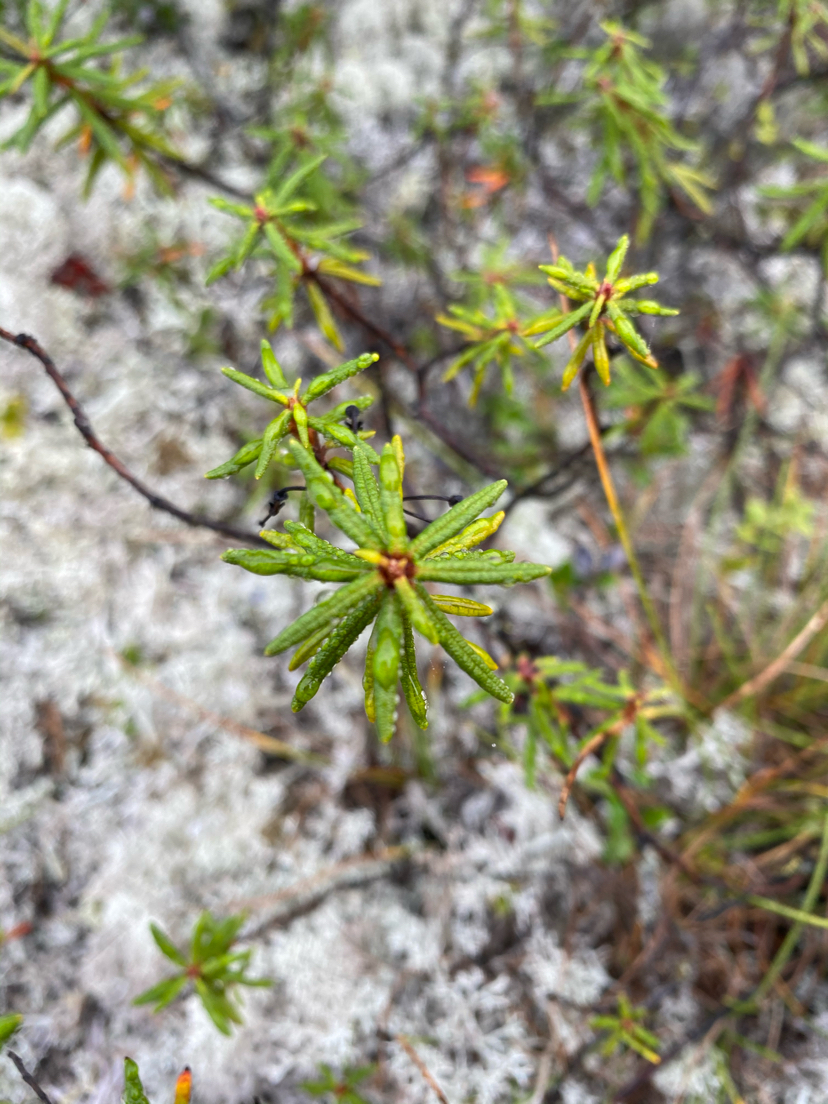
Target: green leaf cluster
[
  {"x": 495, "y": 334},
  {"x": 209, "y": 964},
  {"x": 623, "y": 99},
  {"x": 656, "y": 407},
  {"x": 385, "y": 582},
  {"x": 278, "y": 227},
  {"x": 546, "y": 687},
  {"x": 115, "y": 120},
  {"x": 803, "y": 23},
  {"x": 604, "y": 307},
  {"x": 626, "y": 1029},
  {"x": 811, "y": 227},
  {"x": 317, "y": 433},
  {"x": 344, "y": 1089}
]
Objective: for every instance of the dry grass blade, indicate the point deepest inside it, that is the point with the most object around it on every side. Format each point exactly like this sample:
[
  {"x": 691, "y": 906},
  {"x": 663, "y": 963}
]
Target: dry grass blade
[
  {"x": 271, "y": 745},
  {"x": 758, "y": 683},
  {"x": 427, "y": 1075}
]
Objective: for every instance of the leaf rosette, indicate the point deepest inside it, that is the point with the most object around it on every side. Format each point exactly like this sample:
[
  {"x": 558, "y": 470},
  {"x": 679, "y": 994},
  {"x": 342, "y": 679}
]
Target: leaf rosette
[
  {"x": 385, "y": 583},
  {"x": 604, "y": 307},
  {"x": 293, "y": 420}
]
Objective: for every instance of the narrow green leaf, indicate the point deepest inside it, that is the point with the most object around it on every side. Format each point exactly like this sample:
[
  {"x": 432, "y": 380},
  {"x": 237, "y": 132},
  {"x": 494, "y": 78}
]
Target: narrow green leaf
[
  {"x": 272, "y": 368},
  {"x": 309, "y": 648},
  {"x": 279, "y": 540},
  {"x": 415, "y": 611},
  {"x": 322, "y": 314},
  {"x": 254, "y": 385},
  {"x": 302, "y": 536},
  {"x": 323, "y": 383},
  {"x": 473, "y": 534},
  {"x": 460, "y": 607},
  {"x": 40, "y": 90},
  {"x": 302, "y": 565},
  {"x": 219, "y": 269},
  {"x": 325, "y": 612},
  {"x": 103, "y": 133},
  {"x": 600, "y": 356},
  {"x": 455, "y": 519},
  {"x": 329, "y": 498},
  {"x": 616, "y": 259},
  {"x": 368, "y": 493},
  {"x": 133, "y": 1089},
  {"x": 8, "y": 1025},
  {"x": 342, "y": 435},
  {"x": 334, "y": 649},
  {"x": 34, "y": 19},
  {"x": 307, "y": 514},
  {"x": 246, "y": 455},
  {"x": 295, "y": 179},
  {"x": 414, "y": 695},
  {"x": 300, "y": 420},
  {"x": 240, "y": 210},
  {"x": 163, "y": 993},
  {"x": 391, "y": 500},
  {"x": 281, "y": 249},
  {"x": 627, "y": 332},
  {"x": 576, "y": 360},
  {"x": 564, "y": 326},
  {"x": 467, "y": 573},
  {"x": 386, "y": 664},
  {"x": 368, "y": 677},
  {"x": 167, "y": 947},
  {"x": 466, "y": 658},
  {"x": 272, "y": 436}
]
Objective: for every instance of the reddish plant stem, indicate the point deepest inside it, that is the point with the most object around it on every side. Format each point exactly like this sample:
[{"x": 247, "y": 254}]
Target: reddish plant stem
[{"x": 84, "y": 427}]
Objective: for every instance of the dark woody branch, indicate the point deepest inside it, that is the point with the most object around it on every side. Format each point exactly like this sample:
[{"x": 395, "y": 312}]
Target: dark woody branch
[{"x": 84, "y": 426}]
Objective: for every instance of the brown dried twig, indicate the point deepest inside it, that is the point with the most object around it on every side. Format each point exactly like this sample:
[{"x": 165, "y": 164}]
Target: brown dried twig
[
  {"x": 427, "y": 1075},
  {"x": 84, "y": 427},
  {"x": 39, "y": 1092}
]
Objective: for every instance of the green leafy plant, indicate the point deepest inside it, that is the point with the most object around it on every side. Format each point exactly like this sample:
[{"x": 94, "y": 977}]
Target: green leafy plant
[
  {"x": 801, "y": 27},
  {"x": 604, "y": 309},
  {"x": 214, "y": 970},
  {"x": 767, "y": 525},
  {"x": 656, "y": 407},
  {"x": 316, "y": 433},
  {"x": 115, "y": 121},
  {"x": 546, "y": 688},
  {"x": 278, "y": 227},
  {"x": 385, "y": 579},
  {"x": 344, "y": 1088},
  {"x": 623, "y": 99},
  {"x": 811, "y": 226},
  {"x": 626, "y": 1029},
  {"x": 492, "y": 325}
]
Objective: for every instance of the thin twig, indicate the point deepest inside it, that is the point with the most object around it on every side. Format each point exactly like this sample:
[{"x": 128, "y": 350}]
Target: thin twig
[
  {"x": 402, "y": 354},
  {"x": 427, "y": 1075},
  {"x": 84, "y": 427},
  {"x": 27, "y": 1077},
  {"x": 282, "y": 907},
  {"x": 623, "y": 533},
  {"x": 597, "y": 741}
]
